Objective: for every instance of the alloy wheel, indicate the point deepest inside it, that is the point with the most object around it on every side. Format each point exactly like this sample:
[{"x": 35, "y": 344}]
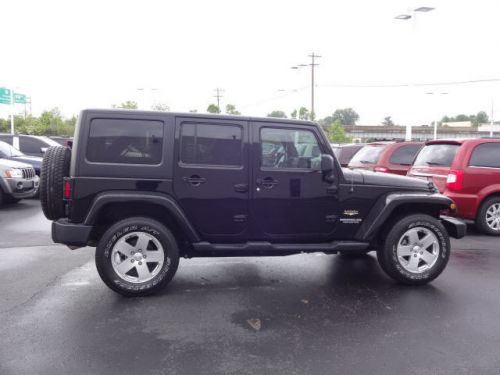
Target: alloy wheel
[
  {"x": 418, "y": 250},
  {"x": 137, "y": 257}
]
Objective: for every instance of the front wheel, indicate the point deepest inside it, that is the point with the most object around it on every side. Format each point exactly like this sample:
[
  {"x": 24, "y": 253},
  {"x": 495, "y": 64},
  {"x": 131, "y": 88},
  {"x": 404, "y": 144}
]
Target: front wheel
[
  {"x": 137, "y": 257},
  {"x": 415, "y": 250}
]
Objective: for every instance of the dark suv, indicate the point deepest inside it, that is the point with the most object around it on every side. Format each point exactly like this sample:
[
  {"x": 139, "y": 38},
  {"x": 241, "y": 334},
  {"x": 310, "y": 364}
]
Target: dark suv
[{"x": 147, "y": 187}]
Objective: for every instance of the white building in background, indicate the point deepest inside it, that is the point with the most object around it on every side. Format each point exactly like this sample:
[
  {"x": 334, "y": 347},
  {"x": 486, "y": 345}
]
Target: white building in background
[{"x": 458, "y": 124}]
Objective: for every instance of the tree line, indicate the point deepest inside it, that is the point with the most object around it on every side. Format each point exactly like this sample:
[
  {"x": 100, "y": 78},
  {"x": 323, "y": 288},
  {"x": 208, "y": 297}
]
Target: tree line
[{"x": 51, "y": 122}]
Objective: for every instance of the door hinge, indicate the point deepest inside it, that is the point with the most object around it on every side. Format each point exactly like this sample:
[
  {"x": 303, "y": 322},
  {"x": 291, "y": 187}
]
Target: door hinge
[{"x": 240, "y": 218}]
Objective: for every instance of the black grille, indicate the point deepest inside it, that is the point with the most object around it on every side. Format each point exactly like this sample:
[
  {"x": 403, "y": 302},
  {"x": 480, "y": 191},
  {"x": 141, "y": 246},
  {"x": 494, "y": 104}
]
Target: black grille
[{"x": 28, "y": 173}]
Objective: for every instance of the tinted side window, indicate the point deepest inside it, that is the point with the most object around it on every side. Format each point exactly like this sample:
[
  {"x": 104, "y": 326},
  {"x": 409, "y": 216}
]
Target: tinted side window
[
  {"x": 404, "y": 155},
  {"x": 30, "y": 145},
  {"x": 210, "y": 144},
  {"x": 287, "y": 148},
  {"x": 125, "y": 141},
  {"x": 486, "y": 155}
]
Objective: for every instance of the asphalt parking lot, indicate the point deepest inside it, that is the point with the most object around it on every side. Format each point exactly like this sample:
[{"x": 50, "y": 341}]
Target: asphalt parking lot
[{"x": 303, "y": 314}]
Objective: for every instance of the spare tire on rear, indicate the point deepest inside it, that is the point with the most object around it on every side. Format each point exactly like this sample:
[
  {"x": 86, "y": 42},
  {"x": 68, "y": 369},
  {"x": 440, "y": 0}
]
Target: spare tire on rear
[{"x": 55, "y": 167}]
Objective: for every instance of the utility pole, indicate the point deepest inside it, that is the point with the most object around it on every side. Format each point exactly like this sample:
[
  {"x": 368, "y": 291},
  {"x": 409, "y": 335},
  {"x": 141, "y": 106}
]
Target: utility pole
[
  {"x": 313, "y": 56},
  {"x": 218, "y": 95}
]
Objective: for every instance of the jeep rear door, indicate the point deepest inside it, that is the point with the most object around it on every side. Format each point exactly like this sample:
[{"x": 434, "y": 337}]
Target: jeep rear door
[
  {"x": 290, "y": 201},
  {"x": 211, "y": 176}
]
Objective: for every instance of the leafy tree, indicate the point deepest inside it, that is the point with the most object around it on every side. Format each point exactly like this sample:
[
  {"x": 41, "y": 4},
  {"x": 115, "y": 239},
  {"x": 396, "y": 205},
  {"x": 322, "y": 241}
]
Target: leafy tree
[
  {"x": 231, "y": 110},
  {"x": 212, "y": 108},
  {"x": 304, "y": 113},
  {"x": 480, "y": 118},
  {"x": 293, "y": 114},
  {"x": 129, "y": 104},
  {"x": 326, "y": 122},
  {"x": 347, "y": 116},
  {"x": 162, "y": 107},
  {"x": 388, "y": 121},
  {"x": 277, "y": 114},
  {"x": 336, "y": 133}
]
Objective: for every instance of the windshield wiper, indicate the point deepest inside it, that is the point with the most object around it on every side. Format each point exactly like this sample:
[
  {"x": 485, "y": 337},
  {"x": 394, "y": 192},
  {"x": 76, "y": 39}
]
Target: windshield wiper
[
  {"x": 433, "y": 163},
  {"x": 365, "y": 162}
]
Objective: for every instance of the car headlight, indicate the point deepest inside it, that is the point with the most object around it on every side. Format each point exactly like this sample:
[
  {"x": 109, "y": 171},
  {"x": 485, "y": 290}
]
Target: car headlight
[{"x": 14, "y": 173}]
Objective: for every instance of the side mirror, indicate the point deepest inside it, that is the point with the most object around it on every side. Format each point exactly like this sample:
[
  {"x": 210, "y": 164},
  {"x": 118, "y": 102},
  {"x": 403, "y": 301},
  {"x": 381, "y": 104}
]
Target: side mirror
[
  {"x": 326, "y": 163},
  {"x": 327, "y": 167},
  {"x": 43, "y": 150}
]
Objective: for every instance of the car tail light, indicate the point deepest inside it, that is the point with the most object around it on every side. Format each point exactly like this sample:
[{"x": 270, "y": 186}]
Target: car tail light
[
  {"x": 455, "y": 180},
  {"x": 381, "y": 169},
  {"x": 67, "y": 188}
]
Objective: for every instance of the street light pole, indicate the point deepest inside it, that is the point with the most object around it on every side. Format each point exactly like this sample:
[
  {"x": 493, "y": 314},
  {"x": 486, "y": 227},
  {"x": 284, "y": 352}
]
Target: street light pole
[
  {"x": 12, "y": 111},
  {"x": 312, "y": 56}
]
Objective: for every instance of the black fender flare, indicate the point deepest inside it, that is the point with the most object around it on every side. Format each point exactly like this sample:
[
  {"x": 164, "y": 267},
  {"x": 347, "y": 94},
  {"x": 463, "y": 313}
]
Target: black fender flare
[
  {"x": 386, "y": 205},
  {"x": 163, "y": 200}
]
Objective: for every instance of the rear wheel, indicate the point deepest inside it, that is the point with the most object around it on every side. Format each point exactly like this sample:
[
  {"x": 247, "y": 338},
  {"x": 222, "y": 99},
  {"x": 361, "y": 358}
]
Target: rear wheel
[
  {"x": 488, "y": 216},
  {"x": 55, "y": 167},
  {"x": 415, "y": 250},
  {"x": 137, "y": 257}
]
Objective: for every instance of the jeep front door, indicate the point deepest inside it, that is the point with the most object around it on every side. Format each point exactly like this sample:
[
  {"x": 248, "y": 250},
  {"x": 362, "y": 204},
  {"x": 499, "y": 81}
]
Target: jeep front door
[
  {"x": 290, "y": 200},
  {"x": 211, "y": 176}
]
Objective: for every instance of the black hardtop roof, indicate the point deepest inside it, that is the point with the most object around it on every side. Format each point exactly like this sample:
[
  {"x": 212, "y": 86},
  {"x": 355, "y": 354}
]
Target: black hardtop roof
[{"x": 200, "y": 116}]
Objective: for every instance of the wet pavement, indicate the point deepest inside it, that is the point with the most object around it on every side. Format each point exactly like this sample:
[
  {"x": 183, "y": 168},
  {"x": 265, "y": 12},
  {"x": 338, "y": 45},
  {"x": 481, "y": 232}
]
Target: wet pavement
[{"x": 302, "y": 314}]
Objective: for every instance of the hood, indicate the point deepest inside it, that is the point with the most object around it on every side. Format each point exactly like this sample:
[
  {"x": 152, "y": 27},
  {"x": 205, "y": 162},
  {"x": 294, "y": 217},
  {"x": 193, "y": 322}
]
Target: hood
[
  {"x": 387, "y": 179},
  {"x": 6, "y": 164},
  {"x": 34, "y": 161}
]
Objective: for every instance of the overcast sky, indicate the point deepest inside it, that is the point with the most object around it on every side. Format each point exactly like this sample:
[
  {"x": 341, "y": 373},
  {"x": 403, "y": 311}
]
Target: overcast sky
[{"x": 78, "y": 54}]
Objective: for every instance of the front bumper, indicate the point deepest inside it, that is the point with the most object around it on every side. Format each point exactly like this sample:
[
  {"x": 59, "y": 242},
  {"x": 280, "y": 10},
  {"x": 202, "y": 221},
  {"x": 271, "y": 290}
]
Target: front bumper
[
  {"x": 21, "y": 187},
  {"x": 70, "y": 234},
  {"x": 456, "y": 228}
]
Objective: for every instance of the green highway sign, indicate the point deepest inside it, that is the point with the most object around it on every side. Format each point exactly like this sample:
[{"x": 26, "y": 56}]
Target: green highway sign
[
  {"x": 19, "y": 98},
  {"x": 4, "y": 95}
]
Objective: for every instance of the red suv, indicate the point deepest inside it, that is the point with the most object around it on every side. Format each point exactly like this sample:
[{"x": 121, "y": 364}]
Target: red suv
[
  {"x": 387, "y": 157},
  {"x": 467, "y": 171}
]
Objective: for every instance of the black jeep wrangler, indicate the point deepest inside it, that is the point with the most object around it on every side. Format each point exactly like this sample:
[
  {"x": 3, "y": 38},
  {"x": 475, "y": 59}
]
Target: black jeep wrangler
[{"x": 148, "y": 187}]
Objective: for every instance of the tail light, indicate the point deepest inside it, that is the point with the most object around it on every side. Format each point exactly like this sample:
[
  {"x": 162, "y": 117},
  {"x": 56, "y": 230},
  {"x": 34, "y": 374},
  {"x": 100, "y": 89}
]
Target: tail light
[
  {"x": 455, "y": 180},
  {"x": 381, "y": 169},
  {"x": 67, "y": 188}
]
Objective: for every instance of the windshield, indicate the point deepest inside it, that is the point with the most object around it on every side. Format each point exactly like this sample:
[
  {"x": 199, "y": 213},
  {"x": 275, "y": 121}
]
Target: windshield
[
  {"x": 368, "y": 155},
  {"x": 7, "y": 151},
  {"x": 439, "y": 155}
]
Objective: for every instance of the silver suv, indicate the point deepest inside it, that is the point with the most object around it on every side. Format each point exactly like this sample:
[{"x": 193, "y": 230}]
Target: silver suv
[{"x": 17, "y": 181}]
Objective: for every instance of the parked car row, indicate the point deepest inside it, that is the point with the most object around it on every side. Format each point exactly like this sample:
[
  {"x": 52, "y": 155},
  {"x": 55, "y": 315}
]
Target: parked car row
[{"x": 467, "y": 171}]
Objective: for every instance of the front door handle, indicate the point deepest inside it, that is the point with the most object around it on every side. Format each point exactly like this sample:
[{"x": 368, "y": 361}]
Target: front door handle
[
  {"x": 267, "y": 183},
  {"x": 195, "y": 180}
]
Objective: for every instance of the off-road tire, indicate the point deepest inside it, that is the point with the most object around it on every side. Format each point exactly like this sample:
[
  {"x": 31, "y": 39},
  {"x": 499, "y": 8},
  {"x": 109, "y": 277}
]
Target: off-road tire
[
  {"x": 118, "y": 230},
  {"x": 387, "y": 252},
  {"x": 481, "y": 223},
  {"x": 55, "y": 167}
]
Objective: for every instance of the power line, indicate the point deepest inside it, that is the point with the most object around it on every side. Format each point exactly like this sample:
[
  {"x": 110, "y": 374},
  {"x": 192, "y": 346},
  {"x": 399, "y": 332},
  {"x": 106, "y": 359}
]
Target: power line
[{"x": 420, "y": 84}]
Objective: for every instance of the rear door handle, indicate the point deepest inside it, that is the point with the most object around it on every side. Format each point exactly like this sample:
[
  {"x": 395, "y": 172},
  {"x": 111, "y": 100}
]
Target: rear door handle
[{"x": 195, "y": 180}]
